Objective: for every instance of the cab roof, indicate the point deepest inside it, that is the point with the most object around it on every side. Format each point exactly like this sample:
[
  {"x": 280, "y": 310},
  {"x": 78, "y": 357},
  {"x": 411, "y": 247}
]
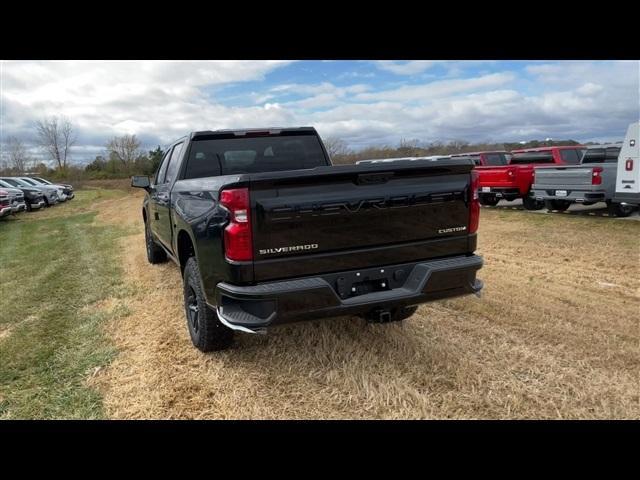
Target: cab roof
[{"x": 267, "y": 131}]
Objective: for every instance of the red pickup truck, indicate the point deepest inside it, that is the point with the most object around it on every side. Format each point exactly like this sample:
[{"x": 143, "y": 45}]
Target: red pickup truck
[{"x": 513, "y": 180}]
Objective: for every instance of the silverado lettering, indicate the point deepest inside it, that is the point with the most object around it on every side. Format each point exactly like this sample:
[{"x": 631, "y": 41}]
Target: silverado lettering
[
  {"x": 266, "y": 231},
  {"x": 294, "y": 248}
]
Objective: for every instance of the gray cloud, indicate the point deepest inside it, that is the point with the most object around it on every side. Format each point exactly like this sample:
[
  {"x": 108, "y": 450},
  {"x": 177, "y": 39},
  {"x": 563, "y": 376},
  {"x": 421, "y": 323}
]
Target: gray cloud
[{"x": 160, "y": 101}]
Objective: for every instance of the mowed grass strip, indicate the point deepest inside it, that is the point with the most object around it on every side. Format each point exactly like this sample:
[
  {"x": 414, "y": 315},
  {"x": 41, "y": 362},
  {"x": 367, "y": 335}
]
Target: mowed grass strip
[{"x": 56, "y": 264}]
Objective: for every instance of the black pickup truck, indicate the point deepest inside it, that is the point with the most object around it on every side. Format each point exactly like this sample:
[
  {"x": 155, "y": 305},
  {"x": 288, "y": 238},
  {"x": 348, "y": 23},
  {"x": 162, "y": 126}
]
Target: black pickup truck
[{"x": 267, "y": 231}]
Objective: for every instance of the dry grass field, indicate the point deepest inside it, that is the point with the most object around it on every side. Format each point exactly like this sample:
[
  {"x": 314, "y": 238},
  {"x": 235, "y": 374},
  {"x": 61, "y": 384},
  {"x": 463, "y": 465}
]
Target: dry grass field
[
  {"x": 555, "y": 335},
  {"x": 99, "y": 332}
]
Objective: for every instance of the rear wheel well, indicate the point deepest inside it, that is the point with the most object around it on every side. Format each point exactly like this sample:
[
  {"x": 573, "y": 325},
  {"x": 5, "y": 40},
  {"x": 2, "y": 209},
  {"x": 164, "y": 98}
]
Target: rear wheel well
[{"x": 185, "y": 248}]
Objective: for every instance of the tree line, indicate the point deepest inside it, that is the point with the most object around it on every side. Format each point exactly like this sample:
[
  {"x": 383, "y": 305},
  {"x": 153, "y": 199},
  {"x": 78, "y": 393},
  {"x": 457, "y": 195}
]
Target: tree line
[
  {"x": 124, "y": 156},
  {"x": 341, "y": 154},
  {"x": 56, "y": 137}
]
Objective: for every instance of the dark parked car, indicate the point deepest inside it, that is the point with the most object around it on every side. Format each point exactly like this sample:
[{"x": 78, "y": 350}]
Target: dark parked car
[
  {"x": 33, "y": 198},
  {"x": 266, "y": 231}
]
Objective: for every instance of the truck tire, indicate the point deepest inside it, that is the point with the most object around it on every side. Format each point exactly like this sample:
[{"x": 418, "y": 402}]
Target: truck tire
[
  {"x": 619, "y": 210},
  {"x": 489, "y": 200},
  {"x": 155, "y": 253},
  {"x": 531, "y": 203},
  {"x": 559, "y": 205},
  {"x": 206, "y": 331}
]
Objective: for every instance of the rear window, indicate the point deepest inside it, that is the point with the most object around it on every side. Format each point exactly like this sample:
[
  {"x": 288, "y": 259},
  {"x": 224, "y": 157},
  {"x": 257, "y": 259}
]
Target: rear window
[
  {"x": 228, "y": 156},
  {"x": 601, "y": 155},
  {"x": 570, "y": 156},
  {"x": 495, "y": 159},
  {"x": 532, "y": 157}
]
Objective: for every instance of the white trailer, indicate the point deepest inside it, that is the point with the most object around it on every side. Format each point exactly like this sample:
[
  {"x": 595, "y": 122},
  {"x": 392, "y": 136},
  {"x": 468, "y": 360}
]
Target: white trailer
[{"x": 628, "y": 174}]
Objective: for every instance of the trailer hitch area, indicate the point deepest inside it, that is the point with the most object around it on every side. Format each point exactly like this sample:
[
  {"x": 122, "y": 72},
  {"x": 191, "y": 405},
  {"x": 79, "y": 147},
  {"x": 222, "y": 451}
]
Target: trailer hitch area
[{"x": 380, "y": 315}]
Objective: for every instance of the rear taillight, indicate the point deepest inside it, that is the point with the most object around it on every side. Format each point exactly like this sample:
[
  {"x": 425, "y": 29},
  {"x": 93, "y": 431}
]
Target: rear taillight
[
  {"x": 596, "y": 176},
  {"x": 238, "y": 243},
  {"x": 628, "y": 165},
  {"x": 474, "y": 203}
]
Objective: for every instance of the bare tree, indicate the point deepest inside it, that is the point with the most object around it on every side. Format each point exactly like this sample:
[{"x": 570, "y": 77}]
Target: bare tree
[
  {"x": 408, "y": 148},
  {"x": 125, "y": 148},
  {"x": 56, "y": 136},
  {"x": 336, "y": 148},
  {"x": 458, "y": 145},
  {"x": 18, "y": 158}
]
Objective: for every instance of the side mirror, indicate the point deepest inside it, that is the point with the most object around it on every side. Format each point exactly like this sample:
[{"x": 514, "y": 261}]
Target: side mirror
[{"x": 140, "y": 181}]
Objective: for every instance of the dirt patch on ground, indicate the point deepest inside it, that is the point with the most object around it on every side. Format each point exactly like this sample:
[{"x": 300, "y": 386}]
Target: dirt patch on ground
[
  {"x": 5, "y": 332},
  {"x": 547, "y": 340}
]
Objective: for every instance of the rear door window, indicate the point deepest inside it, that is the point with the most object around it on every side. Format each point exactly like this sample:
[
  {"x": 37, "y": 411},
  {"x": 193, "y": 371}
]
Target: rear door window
[
  {"x": 531, "y": 157},
  {"x": 612, "y": 154},
  {"x": 162, "y": 170},
  {"x": 594, "y": 155},
  {"x": 601, "y": 155},
  {"x": 570, "y": 156},
  {"x": 174, "y": 163},
  {"x": 495, "y": 159}
]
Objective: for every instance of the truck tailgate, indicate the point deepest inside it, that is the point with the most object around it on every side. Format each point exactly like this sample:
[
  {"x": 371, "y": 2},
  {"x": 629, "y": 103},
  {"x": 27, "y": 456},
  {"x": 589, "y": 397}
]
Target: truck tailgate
[
  {"x": 559, "y": 176},
  {"x": 347, "y": 217},
  {"x": 496, "y": 176}
]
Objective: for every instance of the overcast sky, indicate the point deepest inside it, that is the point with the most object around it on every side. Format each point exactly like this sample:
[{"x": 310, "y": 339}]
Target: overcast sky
[{"x": 361, "y": 102}]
